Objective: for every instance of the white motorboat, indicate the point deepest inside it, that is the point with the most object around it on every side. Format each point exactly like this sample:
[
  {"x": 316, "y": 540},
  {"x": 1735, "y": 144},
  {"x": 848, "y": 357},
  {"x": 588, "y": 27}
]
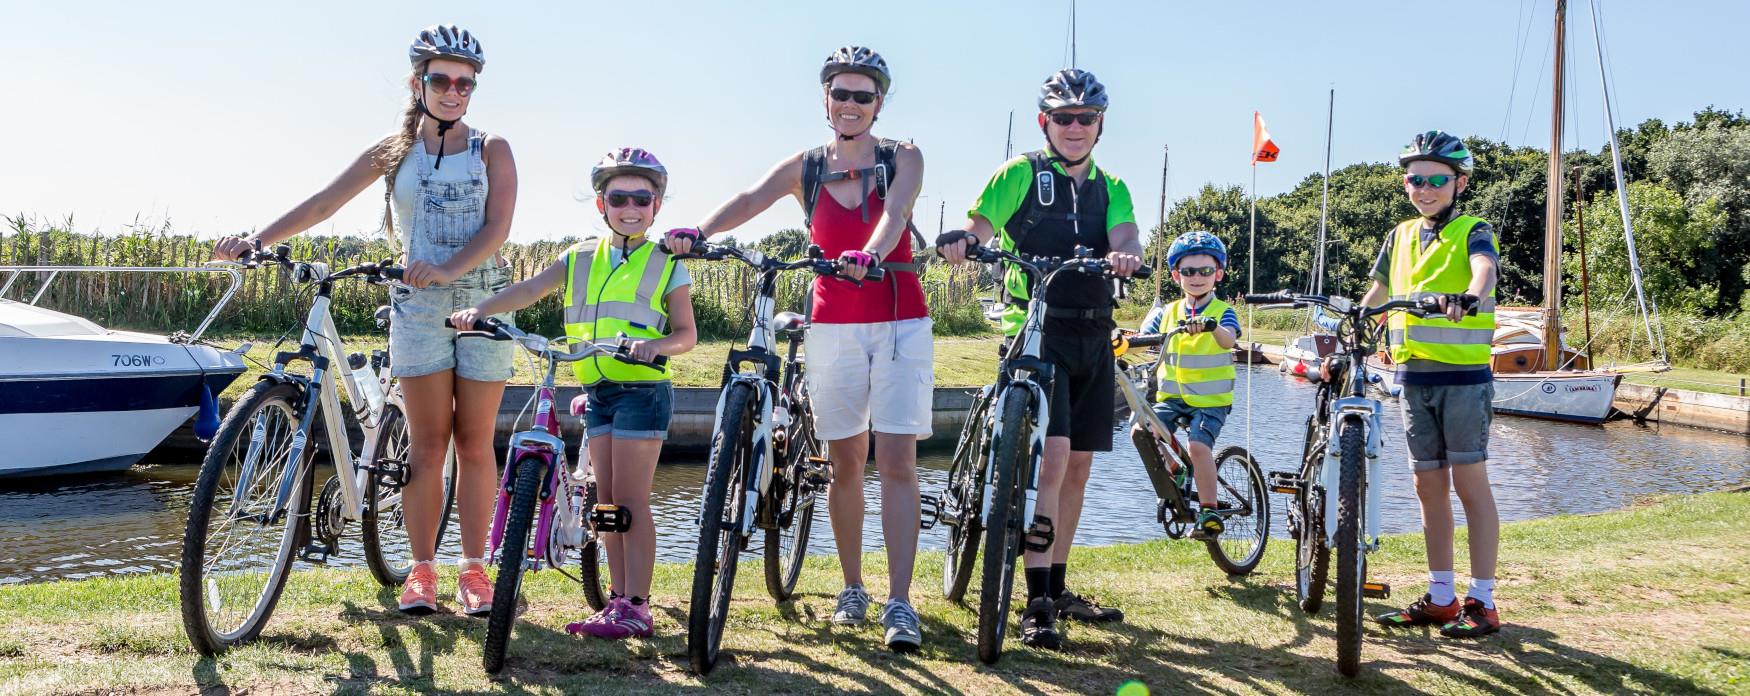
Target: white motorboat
[{"x": 76, "y": 397}]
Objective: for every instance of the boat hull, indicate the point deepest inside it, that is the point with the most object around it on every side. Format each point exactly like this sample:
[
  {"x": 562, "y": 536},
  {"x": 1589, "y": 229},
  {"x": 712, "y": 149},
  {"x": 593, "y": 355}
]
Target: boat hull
[{"x": 1575, "y": 397}]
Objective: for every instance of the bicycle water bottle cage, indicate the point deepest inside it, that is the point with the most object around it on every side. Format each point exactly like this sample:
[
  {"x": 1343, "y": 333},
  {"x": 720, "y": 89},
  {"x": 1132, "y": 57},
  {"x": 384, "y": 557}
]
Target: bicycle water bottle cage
[
  {"x": 579, "y": 405},
  {"x": 1039, "y": 536},
  {"x": 611, "y": 518}
]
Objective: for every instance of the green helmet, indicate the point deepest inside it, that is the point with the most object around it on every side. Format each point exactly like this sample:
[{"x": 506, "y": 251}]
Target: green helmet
[{"x": 1438, "y": 146}]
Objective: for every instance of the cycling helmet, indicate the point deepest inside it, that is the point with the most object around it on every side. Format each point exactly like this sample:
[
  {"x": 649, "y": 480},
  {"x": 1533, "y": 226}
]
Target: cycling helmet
[
  {"x": 1198, "y": 242},
  {"x": 447, "y": 41},
  {"x": 628, "y": 161},
  {"x": 1072, "y": 87},
  {"x": 1438, "y": 146},
  {"x": 856, "y": 59}
]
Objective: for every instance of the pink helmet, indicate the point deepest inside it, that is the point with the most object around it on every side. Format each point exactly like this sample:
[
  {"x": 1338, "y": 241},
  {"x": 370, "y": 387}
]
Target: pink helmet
[{"x": 631, "y": 161}]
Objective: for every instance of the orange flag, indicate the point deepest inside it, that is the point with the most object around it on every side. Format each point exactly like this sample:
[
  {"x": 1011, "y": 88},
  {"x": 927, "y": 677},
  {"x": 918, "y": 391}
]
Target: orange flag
[{"x": 1263, "y": 148}]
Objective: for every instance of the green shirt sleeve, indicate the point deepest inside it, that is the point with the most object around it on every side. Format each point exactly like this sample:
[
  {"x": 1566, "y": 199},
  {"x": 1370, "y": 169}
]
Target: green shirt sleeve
[
  {"x": 1119, "y": 209},
  {"x": 1003, "y": 195}
]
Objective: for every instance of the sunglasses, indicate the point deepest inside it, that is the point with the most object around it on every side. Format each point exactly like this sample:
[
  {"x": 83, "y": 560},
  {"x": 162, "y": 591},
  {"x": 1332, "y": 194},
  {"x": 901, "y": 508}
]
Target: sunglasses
[
  {"x": 620, "y": 199},
  {"x": 1436, "y": 181},
  {"x": 857, "y": 95},
  {"x": 1204, "y": 271},
  {"x": 440, "y": 83},
  {"x": 1086, "y": 118}
]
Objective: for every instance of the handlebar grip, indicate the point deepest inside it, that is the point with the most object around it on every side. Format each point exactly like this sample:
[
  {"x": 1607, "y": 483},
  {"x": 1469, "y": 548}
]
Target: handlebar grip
[
  {"x": 659, "y": 361},
  {"x": 875, "y": 273},
  {"x": 1146, "y": 340},
  {"x": 1143, "y": 272},
  {"x": 1278, "y": 297},
  {"x": 392, "y": 272},
  {"x": 486, "y": 325}
]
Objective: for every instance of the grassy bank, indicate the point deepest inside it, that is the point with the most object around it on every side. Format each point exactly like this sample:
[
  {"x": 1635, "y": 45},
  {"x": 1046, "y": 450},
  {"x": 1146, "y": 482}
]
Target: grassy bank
[{"x": 1646, "y": 600}]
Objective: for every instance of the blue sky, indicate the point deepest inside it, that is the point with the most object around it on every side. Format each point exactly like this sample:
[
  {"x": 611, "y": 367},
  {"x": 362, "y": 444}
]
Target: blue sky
[{"x": 221, "y": 116}]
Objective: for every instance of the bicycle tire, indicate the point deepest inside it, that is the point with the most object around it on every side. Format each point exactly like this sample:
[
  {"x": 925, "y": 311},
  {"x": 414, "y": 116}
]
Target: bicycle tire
[
  {"x": 591, "y": 560},
  {"x": 1002, "y": 543},
  {"x": 1351, "y": 562},
  {"x": 506, "y": 591},
  {"x": 195, "y": 583},
  {"x": 964, "y": 494},
  {"x": 382, "y": 529},
  {"x": 719, "y": 543},
  {"x": 1235, "y": 554},
  {"x": 784, "y": 564}
]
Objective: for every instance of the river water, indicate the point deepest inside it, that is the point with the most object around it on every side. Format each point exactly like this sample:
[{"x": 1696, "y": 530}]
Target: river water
[{"x": 132, "y": 522}]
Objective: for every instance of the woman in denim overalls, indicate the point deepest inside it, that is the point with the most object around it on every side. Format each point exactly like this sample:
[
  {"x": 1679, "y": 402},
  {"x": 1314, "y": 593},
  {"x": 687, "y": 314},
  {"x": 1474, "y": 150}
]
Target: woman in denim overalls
[{"x": 450, "y": 207}]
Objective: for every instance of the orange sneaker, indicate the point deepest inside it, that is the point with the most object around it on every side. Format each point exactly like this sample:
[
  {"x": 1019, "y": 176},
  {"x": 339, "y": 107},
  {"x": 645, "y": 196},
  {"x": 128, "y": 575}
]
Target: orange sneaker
[
  {"x": 473, "y": 588},
  {"x": 1421, "y": 613},
  {"x": 1477, "y": 621},
  {"x": 419, "y": 591}
]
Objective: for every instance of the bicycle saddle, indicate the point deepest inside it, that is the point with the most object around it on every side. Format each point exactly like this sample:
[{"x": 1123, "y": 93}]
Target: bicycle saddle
[
  {"x": 786, "y": 323},
  {"x": 382, "y": 316}
]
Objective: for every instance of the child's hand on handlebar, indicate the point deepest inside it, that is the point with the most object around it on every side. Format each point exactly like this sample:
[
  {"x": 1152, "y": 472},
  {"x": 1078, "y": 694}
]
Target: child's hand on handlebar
[
  {"x": 465, "y": 318},
  {"x": 643, "y": 351},
  {"x": 1456, "y": 305},
  {"x": 1197, "y": 325}
]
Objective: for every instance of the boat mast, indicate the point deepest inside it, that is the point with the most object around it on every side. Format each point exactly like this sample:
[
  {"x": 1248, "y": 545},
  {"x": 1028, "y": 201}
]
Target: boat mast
[
  {"x": 1325, "y": 200},
  {"x": 1161, "y": 230},
  {"x": 1552, "y": 223},
  {"x": 1628, "y": 230}
]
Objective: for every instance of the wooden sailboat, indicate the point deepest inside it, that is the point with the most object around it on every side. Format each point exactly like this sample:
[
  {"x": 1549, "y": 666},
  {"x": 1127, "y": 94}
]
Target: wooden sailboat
[{"x": 1303, "y": 352}]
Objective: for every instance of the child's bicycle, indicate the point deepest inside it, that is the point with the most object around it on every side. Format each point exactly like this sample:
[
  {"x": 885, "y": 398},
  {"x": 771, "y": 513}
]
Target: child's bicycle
[
  {"x": 257, "y": 482},
  {"x": 1243, "y": 502},
  {"x": 1334, "y": 507},
  {"x": 568, "y": 518}
]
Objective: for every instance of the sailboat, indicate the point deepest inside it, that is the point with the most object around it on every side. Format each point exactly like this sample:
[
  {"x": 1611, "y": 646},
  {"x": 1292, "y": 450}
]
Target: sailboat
[{"x": 1303, "y": 353}]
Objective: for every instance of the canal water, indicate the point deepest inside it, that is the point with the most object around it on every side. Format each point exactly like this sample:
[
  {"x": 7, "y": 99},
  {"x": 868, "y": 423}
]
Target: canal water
[{"x": 132, "y": 522}]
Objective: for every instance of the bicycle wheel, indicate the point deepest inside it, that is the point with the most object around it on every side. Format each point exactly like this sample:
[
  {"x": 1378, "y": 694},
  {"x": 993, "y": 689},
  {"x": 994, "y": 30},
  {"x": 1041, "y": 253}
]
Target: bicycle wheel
[
  {"x": 592, "y": 566},
  {"x": 963, "y": 500},
  {"x": 1240, "y": 488},
  {"x": 1351, "y": 562},
  {"x": 787, "y": 542},
  {"x": 1002, "y": 544},
  {"x": 383, "y": 528},
  {"x": 719, "y": 535},
  {"x": 506, "y": 591},
  {"x": 236, "y": 553}
]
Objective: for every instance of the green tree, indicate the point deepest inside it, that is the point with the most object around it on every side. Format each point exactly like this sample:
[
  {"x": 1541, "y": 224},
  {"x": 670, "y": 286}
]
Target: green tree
[
  {"x": 1710, "y": 162},
  {"x": 784, "y": 244},
  {"x": 1674, "y": 243}
]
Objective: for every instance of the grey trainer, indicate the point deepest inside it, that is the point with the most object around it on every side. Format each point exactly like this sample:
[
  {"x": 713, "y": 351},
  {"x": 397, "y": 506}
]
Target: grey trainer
[
  {"x": 901, "y": 622},
  {"x": 853, "y": 607}
]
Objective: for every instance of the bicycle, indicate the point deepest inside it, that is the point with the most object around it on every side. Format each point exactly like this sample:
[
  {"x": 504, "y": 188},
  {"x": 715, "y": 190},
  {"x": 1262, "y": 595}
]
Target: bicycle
[
  {"x": 258, "y": 477},
  {"x": 1242, "y": 501},
  {"x": 537, "y": 475},
  {"x": 992, "y": 479},
  {"x": 763, "y": 415},
  {"x": 1334, "y": 507}
]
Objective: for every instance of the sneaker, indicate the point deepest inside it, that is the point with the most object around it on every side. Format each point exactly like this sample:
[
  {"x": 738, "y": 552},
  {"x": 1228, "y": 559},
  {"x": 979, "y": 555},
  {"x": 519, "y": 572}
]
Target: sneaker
[
  {"x": 419, "y": 591},
  {"x": 606, "y": 615},
  {"x": 1422, "y": 613},
  {"x": 628, "y": 620},
  {"x": 853, "y": 607},
  {"x": 901, "y": 622},
  {"x": 1209, "y": 525},
  {"x": 1039, "y": 625},
  {"x": 1074, "y": 607},
  {"x": 1478, "y": 620},
  {"x": 474, "y": 591}
]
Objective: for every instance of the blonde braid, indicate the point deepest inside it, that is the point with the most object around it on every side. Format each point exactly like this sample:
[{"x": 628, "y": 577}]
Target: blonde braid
[{"x": 394, "y": 154}]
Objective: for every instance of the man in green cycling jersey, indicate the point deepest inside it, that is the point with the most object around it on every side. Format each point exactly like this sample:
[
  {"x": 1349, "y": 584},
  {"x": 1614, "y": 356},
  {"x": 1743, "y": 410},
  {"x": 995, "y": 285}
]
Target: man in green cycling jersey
[
  {"x": 1047, "y": 203},
  {"x": 1448, "y": 386}
]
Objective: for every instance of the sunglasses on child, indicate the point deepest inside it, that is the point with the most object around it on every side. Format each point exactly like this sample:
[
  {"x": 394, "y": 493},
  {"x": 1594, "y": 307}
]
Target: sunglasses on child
[
  {"x": 857, "y": 95},
  {"x": 1086, "y": 118},
  {"x": 1204, "y": 271},
  {"x": 619, "y": 199},
  {"x": 440, "y": 83},
  {"x": 1436, "y": 181}
]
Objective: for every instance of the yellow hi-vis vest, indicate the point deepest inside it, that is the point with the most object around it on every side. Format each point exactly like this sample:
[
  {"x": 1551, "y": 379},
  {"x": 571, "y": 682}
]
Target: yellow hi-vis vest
[
  {"x": 1193, "y": 366},
  {"x": 1443, "y": 268},
  {"x": 601, "y": 303}
]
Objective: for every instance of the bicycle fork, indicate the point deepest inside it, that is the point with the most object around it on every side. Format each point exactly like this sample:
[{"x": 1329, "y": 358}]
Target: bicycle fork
[{"x": 1364, "y": 413}]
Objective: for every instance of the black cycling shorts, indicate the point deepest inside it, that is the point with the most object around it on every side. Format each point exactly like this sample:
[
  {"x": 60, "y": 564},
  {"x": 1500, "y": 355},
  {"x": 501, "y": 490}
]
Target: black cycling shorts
[{"x": 1083, "y": 394}]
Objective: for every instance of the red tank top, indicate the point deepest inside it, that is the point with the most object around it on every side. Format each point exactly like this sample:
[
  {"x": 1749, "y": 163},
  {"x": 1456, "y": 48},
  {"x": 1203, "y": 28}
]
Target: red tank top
[{"x": 836, "y": 301}]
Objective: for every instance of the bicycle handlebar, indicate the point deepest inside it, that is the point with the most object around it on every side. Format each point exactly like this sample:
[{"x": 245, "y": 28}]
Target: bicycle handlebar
[
  {"x": 759, "y": 261},
  {"x": 1424, "y": 307},
  {"x": 1046, "y": 265},
  {"x": 309, "y": 272},
  {"x": 496, "y": 330}
]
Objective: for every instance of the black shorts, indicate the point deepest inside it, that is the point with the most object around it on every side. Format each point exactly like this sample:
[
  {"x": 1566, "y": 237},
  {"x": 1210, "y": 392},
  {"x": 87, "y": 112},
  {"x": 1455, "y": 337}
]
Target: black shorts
[{"x": 1083, "y": 394}]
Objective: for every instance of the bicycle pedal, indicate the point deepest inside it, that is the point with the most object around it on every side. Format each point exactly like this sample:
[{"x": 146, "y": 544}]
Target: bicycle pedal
[
  {"x": 1284, "y": 482},
  {"x": 1376, "y": 590},
  {"x": 929, "y": 512},
  {"x": 317, "y": 553},
  {"x": 1039, "y": 535}
]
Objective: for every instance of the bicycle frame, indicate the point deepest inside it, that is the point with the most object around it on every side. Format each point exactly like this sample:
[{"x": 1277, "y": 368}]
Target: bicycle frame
[{"x": 760, "y": 351}]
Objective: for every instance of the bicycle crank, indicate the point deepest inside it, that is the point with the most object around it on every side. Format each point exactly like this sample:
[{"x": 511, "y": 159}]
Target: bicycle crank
[{"x": 330, "y": 519}]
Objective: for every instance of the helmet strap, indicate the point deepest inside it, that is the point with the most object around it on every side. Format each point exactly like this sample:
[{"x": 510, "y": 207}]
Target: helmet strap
[
  {"x": 443, "y": 131},
  {"x": 1065, "y": 161}
]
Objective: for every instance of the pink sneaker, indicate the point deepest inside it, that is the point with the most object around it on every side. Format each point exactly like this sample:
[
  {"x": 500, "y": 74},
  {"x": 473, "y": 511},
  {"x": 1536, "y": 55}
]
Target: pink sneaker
[
  {"x": 631, "y": 620},
  {"x": 606, "y": 615},
  {"x": 419, "y": 591},
  {"x": 474, "y": 590}
]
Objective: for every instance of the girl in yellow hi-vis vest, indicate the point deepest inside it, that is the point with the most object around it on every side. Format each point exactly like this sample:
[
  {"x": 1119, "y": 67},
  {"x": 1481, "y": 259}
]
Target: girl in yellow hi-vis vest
[
  {"x": 620, "y": 285},
  {"x": 1196, "y": 373}
]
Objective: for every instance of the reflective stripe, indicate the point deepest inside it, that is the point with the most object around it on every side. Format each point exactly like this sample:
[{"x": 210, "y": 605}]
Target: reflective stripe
[
  {"x": 1451, "y": 335},
  {"x": 1485, "y": 306},
  {"x": 632, "y": 312},
  {"x": 1212, "y": 388},
  {"x": 1198, "y": 362},
  {"x": 638, "y": 311}
]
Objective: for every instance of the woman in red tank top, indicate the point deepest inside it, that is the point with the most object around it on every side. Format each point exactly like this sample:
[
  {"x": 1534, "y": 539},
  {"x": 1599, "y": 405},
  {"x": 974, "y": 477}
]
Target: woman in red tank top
[{"x": 896, "y": 296}]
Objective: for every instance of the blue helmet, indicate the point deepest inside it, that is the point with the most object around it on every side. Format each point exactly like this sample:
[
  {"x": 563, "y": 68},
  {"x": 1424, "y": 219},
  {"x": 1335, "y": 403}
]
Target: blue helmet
[{"x": 1198, "y": 242}]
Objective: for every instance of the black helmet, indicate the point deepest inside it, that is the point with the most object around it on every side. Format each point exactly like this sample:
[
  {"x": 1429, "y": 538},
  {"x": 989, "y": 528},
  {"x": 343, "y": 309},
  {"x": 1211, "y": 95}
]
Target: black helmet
[
  {"x": 856, "y": 59},
  {"x": 1438, "y": 146},
  {"x": 447, "y": 41},
  {"x": 1072, "y": 87}
]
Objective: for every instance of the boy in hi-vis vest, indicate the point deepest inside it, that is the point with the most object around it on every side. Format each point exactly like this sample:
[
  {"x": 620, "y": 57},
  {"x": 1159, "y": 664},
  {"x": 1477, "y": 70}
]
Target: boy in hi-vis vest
[
  {"x": 622, "y": 284},
  {"x": 1196, "y": 371}
]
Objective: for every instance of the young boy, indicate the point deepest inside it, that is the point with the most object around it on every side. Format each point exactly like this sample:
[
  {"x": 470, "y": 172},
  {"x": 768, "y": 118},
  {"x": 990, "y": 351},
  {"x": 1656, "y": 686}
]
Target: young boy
[
  {"x": 1196, "y": 372},
  {"x": 1443, "y": 365}
]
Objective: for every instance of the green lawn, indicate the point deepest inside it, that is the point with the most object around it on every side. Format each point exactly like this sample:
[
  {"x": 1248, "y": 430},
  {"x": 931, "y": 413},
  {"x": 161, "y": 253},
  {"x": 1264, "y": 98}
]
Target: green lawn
[{"x": 1646, "y": 600}]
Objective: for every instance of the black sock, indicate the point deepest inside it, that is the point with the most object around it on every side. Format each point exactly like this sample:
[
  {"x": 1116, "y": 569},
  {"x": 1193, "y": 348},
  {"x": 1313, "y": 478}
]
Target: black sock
[
  {"x": 637, "y": 601},
  {"x": 1058, "y": 570},
  {"x": 1038, "y": 582}
]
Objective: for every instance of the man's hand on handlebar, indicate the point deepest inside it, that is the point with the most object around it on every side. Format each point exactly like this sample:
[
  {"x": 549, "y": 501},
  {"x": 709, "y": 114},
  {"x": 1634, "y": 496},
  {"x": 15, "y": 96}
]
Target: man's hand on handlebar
[
  {"x": 1123, "y": 264},
  {"x": 953, "y": 245}
]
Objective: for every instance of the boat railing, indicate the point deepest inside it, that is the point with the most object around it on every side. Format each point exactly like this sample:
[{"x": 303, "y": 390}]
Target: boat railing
[{"x": 13, "y": 272}]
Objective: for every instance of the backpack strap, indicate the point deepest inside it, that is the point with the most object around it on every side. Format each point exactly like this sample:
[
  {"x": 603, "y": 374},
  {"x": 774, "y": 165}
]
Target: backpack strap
[
  {"x": 813, "y": 170},
  {"x": 1039, "y": 199},
  {"x": 815, "y": 176}
]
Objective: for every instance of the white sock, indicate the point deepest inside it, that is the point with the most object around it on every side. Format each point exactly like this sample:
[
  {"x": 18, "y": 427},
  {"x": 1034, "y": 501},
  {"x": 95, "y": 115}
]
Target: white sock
[
  {"x": 1483, "y": 590},
  {"x": 1440, "y": 587}
]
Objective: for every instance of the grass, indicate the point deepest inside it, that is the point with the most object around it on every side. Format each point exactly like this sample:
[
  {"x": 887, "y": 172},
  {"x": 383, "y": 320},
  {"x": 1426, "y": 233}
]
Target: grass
[{"x": 1644, "y": 600}]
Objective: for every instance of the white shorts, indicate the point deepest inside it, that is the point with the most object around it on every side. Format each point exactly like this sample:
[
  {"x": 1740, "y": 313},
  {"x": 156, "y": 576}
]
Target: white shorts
[{"x": 876, "y": 376}]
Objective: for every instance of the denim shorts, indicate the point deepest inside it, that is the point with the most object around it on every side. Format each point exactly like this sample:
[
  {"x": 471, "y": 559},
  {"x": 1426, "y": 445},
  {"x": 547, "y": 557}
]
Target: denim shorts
[
  {"x": 1206, "y": 421},
  {"x": 1447, "y": 425},
  {"x": 629, "y": 411},
  {"x": 420, "y": 344}
]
